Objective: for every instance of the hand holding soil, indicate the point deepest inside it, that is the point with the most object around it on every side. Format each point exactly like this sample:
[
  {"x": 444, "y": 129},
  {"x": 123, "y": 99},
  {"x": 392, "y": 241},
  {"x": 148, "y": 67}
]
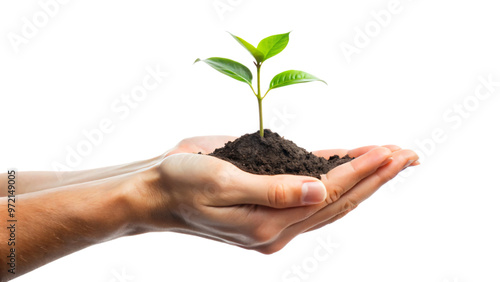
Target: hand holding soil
[
  {"x": 208, "y": 197},
  {"x": 187, "y": 191}
]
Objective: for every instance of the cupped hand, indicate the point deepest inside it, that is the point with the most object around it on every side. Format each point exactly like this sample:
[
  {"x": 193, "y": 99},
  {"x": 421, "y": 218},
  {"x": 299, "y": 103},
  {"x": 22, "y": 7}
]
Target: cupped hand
[
  {"x": 208, "y": 197},
  {"x": 348, "y": 186}
]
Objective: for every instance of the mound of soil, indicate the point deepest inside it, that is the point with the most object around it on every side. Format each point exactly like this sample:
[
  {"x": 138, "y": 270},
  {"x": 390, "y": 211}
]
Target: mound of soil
[{"x": 274, "y": 154}]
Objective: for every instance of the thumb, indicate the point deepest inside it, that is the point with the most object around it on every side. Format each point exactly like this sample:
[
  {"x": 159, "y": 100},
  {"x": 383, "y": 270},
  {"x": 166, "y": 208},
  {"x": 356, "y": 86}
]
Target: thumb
[{"x": 280, "y": 191}]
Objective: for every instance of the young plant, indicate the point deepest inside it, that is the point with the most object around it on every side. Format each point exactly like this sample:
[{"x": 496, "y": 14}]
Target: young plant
[{"x": 267, "y": 48}]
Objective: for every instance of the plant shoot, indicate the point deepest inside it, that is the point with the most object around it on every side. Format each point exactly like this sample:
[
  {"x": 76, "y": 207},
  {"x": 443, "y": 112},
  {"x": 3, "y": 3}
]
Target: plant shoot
[{"x": 267, "y": 48}]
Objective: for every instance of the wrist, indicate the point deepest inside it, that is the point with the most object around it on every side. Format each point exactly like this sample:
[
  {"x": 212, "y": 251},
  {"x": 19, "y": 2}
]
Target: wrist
[{"x": 148, "y": 201}]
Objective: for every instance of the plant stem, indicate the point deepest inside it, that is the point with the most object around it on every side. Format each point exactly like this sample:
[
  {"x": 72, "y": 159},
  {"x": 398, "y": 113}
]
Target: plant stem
[
  {"x": 260, "y": 119},
  {"x": 259, "y": 99}
]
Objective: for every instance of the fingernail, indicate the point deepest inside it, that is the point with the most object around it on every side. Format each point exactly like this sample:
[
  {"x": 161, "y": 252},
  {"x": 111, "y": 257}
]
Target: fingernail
[
  {"x": 416, "y": 163},
  {"x": 408, "y": 163},
  {"x": 313, "y": 192}
]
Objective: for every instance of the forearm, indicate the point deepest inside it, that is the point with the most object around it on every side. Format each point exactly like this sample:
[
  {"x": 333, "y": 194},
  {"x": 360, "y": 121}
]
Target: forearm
[
  {"x": 56, "y": 222},
  {"x": 33, "y": 181}
]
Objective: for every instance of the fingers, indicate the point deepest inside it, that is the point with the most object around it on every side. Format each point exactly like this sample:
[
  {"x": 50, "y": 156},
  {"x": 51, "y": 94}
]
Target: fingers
[
  {"x": 371, "y": 184},
  {"x": 287, "y": 224},
  {"x": 342, "y": 178},
  {"x": 368, "y": 186},
  {"x": 338, "y": 181},
  {"x": 353, "y": 152},
  {"x": 349, "y": 200}
]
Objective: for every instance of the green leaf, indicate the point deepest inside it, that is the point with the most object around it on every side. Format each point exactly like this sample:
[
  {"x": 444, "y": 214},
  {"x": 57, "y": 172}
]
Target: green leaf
[
  {"x": 273, "y": 45},
  {"x": 230, "y": 68},
  {"x": 259, "y": 57},
  {"x": 290, "y": 77}
]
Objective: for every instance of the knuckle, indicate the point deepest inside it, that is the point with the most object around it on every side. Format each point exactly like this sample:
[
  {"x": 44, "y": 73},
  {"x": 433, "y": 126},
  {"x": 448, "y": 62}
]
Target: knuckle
[
  {"x": 349, "y": 205},
  {"x": 277, "y": 194},
  {"x": 220, "y": 174},
  {"x": 334, "y": 194}
]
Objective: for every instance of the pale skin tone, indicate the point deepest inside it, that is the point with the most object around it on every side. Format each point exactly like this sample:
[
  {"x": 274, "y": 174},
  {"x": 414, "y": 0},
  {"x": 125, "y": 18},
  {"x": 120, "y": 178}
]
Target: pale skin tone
[{"x": 60, "y": 213}]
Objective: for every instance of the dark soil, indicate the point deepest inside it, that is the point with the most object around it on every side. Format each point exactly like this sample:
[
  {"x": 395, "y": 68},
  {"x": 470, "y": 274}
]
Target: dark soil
[{"x": 274, "y": 154}]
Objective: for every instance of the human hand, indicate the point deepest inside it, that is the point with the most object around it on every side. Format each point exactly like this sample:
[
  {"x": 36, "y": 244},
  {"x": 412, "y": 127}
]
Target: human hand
[{"x": 211, "y": 198}]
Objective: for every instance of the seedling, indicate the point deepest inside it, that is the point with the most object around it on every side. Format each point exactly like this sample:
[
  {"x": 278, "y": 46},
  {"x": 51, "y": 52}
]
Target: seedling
[{"x": 267, "y": 48}]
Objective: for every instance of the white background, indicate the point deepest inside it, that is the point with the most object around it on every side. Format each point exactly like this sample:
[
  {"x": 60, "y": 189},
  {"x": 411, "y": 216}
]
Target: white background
[{"x": 437, "y": 223}]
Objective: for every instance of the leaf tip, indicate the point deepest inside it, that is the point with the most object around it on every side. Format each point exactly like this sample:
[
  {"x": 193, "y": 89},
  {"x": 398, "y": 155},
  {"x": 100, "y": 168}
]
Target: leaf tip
[{"x": 197, "y": 60}]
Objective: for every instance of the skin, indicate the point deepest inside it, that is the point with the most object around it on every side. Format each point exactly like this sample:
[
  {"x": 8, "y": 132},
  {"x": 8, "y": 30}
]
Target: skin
[{"x": 178, "y": 191}]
